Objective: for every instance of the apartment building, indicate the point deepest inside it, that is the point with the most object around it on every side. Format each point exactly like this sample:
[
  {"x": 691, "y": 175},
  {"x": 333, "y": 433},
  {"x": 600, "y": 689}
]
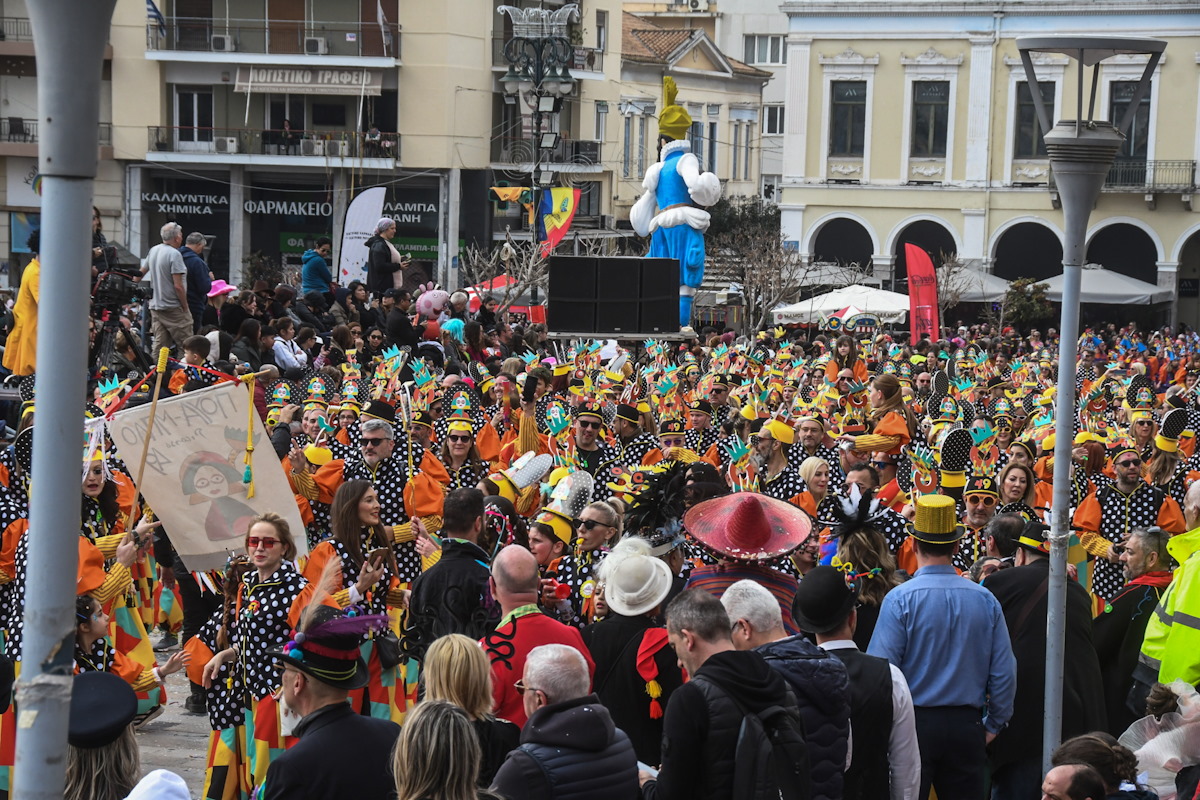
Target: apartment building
[{"x": 914, "y": 122}]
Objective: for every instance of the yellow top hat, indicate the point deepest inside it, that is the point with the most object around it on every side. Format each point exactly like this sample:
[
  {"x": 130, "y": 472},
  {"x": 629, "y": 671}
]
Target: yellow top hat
[
  {"x": 674, "y": 121},
  {"x": 936, "y": 521},
  {"x": 781, "y": 431}
]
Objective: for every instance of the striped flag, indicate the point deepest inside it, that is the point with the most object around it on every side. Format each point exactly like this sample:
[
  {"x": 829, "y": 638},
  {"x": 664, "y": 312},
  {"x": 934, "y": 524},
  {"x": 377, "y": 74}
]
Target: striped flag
[{"x": 154, "y": 15}]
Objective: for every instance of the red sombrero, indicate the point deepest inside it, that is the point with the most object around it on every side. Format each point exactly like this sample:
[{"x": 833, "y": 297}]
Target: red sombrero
[{"x": 748, "y": 527}]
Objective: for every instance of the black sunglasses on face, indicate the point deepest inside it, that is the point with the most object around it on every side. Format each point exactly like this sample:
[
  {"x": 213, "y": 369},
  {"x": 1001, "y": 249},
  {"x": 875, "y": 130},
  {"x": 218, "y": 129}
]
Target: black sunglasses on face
[
  {"x": 458, "y": 438},
  {"x": 583, "y": 423},
  {"x": 374, "y": 442},
  {"x": 588, "y": 524}
]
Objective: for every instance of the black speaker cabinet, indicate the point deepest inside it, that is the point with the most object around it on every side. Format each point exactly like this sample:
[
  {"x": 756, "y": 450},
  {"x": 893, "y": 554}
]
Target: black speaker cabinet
[
  {"x": 571, "y": 295},
  {"x": 659, "y": 298},
  {"x": 618, "y": 281}
]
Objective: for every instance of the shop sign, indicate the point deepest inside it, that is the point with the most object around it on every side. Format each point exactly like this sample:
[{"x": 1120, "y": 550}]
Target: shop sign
[{"x": 193, "y": 203}]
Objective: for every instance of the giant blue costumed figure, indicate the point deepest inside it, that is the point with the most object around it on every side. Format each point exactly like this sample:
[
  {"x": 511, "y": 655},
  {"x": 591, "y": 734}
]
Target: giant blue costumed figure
[{"x": 670, "y": 211}]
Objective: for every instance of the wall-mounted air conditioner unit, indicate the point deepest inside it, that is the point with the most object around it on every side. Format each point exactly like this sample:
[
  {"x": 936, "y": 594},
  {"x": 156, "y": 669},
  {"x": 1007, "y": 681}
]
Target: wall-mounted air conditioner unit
[
  {"x": 312, "y": 147},
  {"x": 222, "y": 43},
  {"x": 226, "y": 144},
  {"x": 337, "y": 148},
  {"x": 316, "y": 46}
]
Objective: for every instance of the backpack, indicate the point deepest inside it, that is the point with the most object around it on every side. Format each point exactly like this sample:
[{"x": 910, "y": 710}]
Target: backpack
[{"x": 771, "y": 758}]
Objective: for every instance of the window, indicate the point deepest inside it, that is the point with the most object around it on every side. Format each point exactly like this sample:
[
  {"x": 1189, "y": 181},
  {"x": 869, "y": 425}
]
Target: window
[
  {"x": 601, "y": 30},
  {"x": 770, "y": 186},
  {"x": 626, "y": 159},
  {"x": 601, "y": 120},
  {"x": 737, "y": 142},
  {"x": 712, "y": 147},
  {"x": 289, "y": 107},
  {"x": 746, "y": 152},
  {"x": 847, "y": 131},
  {"x": 1136, "y": 140},
  {"x": 193, "y": 115},
  {"x": 772, "y": 120},
  {"x": 765, "y": 50},
  {"x": 696, "y": 137},
  {"x": 930, "y": 115},
  {"x": 330, "y": 115},
  {"x": 1028, "y": 135},
  {"x": 641, "y": 169},
  {"x": 589, "y": 199}
]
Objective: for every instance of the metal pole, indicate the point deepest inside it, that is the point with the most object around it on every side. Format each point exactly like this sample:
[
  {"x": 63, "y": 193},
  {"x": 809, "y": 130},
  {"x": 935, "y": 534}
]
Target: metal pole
[
  {"x": 71, "y": 36},
  {"x": 1079, "y": 185}
]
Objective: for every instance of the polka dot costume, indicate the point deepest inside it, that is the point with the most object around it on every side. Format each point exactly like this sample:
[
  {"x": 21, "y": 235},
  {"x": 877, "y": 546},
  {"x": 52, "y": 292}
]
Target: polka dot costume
[
  {"x": 1121, "y": 513},
  {"x": 698, "y": 441},
  {"x": 785, "y": 485},
  {"x": 261, "y": 625},
  {"x": 226, "y": 706},
  {"x": 632, "y": 452},
  {"x": 390, "y": 477}
]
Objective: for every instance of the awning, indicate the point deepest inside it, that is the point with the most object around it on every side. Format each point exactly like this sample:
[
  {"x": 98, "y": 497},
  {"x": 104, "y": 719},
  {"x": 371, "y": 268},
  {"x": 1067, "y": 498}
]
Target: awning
[
  {"x": 1106, "y": 286},
  {"x": 306, "y": 80},
  {"x": 972, "y": 286},
  {"x": 888, "y": 306}
]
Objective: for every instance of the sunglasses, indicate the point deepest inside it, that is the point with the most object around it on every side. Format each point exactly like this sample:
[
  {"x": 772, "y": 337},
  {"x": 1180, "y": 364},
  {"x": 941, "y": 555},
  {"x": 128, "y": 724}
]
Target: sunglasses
[
  {"x": 984, "y": 499},
  {"x": 521, "y": 688},
  {"x": 458, "y": 437},
  {"x": 588, "y": 524},
  {"x": 583, "y": 423},
  {"x": 1142, "y": 422},
  {"x": 374, "y": 337},
  {"x": 882, "y": 464},
  {"x": 374, "y": 442},
  {"x": 1118, "y": 548},
  {"x": 671, "y": 442},
  {"x": 266, "y": 541},
  {"x": 1132, "y": 462}
]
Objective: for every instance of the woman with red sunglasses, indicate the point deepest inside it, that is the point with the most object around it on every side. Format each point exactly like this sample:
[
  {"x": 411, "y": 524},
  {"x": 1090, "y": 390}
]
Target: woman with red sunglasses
[{"x": 258, "y": 625}]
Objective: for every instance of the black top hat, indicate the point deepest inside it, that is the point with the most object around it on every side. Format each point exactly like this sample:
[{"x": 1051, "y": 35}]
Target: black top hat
[
  {"x": 628, "y": 413},
  {"x": 823, "y": 600},
  {"x": 102, "y": 706},
  {"x": 671, "y": 426},
  {"x": 329, "y": 647},
  {"x": 380, "y": 410},
  {"x": 590, "y": 409},
  {"x": 703, "y": 406},
  {"x": 1033, "y": 537}
]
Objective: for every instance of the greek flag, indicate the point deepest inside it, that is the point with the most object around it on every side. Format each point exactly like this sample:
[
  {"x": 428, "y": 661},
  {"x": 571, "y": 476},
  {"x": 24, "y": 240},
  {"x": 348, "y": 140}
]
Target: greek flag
[{"x": 153, "y": 14}]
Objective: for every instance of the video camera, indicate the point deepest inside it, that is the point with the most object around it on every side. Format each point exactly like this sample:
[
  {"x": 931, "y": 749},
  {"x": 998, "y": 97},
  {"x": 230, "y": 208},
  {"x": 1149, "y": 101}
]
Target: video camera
[{"x": 115, "y": 289}]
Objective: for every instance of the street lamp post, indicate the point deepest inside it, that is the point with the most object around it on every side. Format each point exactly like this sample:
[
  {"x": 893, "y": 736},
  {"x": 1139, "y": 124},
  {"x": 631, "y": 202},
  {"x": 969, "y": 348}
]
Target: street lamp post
[
  {"x": 1080, "y": 150},
  {"x": 538, "y": 56}
]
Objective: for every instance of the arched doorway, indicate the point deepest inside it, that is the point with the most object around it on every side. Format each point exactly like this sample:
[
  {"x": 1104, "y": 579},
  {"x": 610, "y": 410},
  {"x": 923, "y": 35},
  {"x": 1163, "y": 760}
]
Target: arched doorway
[
  {"x": 1028, "y": 250},
  {"x": 843, "y": 241},
  {"x": 1126, "y": 249},
  {"x": 1188, "y": 304},
  {"x": 932, "y": 237}
]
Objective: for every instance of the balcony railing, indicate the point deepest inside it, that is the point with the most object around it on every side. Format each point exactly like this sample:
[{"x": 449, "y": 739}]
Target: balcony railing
[
  {"x": 245, "y": 141},
  {"x": 284, "y": 37},
  {"x": 1148, "y": 176},
  {"x": 15, "y": 29},
  {"x": 19, "y": 129},
  {"x": 523, "y": 150},
  {"x": 585, "y": 59}
]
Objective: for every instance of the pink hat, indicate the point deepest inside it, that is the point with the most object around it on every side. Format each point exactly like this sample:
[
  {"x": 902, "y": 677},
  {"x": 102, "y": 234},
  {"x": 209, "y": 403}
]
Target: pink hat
[{"x": 220, "y": 287}]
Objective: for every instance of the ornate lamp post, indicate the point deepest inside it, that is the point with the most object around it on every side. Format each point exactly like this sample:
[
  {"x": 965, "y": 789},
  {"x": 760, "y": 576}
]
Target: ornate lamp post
[
  {"x": 538, "y": 57},
  {"x": 1081, "y": 150}
]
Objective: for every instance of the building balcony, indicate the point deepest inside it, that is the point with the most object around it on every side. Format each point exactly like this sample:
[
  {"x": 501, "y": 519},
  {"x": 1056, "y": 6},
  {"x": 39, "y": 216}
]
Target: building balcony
[
  {"x": 19, "y": 137},
  {"x": 259, "y": 41},
  {"x": 16, "y": 39},
  {"x": 587, "y": 62},
  {"x": 348, "y": 149},
  {"x": 521, "y": 152},
  {"x": 1149, "y": 177}
]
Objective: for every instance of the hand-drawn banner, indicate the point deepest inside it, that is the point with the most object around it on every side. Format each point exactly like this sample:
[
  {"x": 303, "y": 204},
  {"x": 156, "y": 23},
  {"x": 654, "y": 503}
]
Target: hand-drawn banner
[{"x": 195, "y": 468}]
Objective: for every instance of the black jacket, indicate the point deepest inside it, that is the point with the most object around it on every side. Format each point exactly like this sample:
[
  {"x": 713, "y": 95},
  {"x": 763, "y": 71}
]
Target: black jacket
[
  {"x": 699, "y": 740},
  {"x": 452, "y": 596},
  {"x": 1118, "y": 634},
  {"x": 570, "y": 749},
  {"x": 341, "y": 755},
  {"x": 497, "y": 738},
  {"x": 822, "y": 689},
  {"x": 1024, "y": 603},
  {"x": 379, "y": 266},
  {"x": 232, "y": 317},
  {"x": 400, "y": 330},
  {"x": 614, "y": 643},
  {"x": 871, "y": 718}
]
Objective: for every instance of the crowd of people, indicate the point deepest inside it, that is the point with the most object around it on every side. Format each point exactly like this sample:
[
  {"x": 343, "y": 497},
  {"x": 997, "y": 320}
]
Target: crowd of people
[{"x": 806, "y": 564}]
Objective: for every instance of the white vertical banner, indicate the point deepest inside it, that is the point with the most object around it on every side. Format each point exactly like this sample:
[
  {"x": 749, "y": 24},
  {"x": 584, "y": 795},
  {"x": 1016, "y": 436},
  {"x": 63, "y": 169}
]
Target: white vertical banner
[{"x": 364, "y": 211}]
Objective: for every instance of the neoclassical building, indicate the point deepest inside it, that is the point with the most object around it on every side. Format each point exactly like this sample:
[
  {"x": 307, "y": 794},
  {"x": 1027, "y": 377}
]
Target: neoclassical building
[{"x": 912, "y": 121}]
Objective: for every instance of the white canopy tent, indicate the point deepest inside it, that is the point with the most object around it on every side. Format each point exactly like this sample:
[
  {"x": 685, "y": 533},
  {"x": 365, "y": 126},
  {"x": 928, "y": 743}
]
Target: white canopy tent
[
  {"x": 972, "y": 286},
  {"x": 1106, "y": 286},
  {"x": 888, "y": 306}
]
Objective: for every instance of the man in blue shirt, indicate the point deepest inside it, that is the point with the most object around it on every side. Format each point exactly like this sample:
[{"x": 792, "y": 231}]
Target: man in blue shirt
[
  {"x": 199, "y": 278},
  {"x": 948, "y": 636}
]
